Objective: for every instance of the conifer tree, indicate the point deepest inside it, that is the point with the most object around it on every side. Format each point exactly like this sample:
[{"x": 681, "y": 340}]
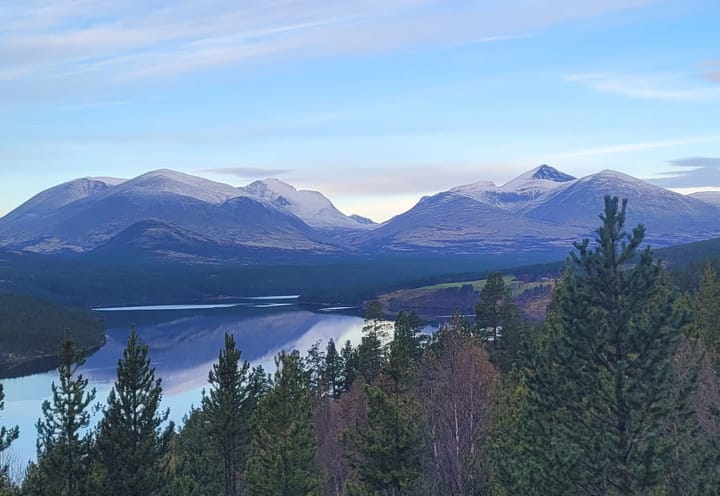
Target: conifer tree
[
  {"x": 386, "y": 453},
  {"x": 7, "y": 436},
  {"x": 131, "y": 441},
  {"x": 707, "y": 312},
  {"x": 332, "y": 371},
  {"x": 284, "y": 446},
  {"x": 63, "y": 449},
  {"x": 349, "y": 356},
  {"x": 371, "y": 356},
  {"x": 602, "y": 383},
  {"x": 225, "y": 409},
  {"x": 497, "y": 322}
]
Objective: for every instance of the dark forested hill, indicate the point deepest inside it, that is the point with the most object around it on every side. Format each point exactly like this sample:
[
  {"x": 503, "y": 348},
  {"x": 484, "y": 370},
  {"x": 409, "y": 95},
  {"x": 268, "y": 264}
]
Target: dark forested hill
[{"x": 31, "y": 329}]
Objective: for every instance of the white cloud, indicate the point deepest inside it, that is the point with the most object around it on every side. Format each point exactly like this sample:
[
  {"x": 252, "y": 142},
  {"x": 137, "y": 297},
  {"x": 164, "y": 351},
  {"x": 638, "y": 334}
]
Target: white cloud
[
  {"x": 667, "y": 87},
  {"x": 633, "y": 147},
  {"x": 123, "y": 40}
]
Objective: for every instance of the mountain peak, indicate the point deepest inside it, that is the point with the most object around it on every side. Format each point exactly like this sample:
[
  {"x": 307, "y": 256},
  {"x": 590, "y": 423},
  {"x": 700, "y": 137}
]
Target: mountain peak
[
  {"x": 549, "y": 173},
  {"x": 310, "y": 206}
]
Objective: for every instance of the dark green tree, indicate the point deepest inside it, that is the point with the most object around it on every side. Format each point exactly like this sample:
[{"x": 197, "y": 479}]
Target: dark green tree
[
  {"x": 371, "y": 355},
  {"x": 131, "y": 441},
  {"x": 226, "y": 413},
  {"x": 497, "y": 322},
  {"x": 284, "y": 446},
  {"x": 601, "y": 385},
  {"x": 333, "y": 371},
  {"x": 7, "y": 436},
  {"x": 707, "y": 312},
  {"x": 385, "y": 454},
  {"x": 350, "y": 365},
  {"x": 195, "y": 463},
  {"x": 63, "y": 446},
  {"x": 405, "y": 348}
]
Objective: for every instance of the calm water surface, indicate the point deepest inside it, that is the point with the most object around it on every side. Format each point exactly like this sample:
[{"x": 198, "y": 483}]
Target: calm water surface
[{"x": 184, "y": 341}]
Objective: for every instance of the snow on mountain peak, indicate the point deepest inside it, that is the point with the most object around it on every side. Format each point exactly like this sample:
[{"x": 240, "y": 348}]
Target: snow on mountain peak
[
  {"x": 539, "y": 179},
  {"x": 551, "y": 174},
  {"x": 170, "y": 181},
  {"x": 310, "y": 206}
]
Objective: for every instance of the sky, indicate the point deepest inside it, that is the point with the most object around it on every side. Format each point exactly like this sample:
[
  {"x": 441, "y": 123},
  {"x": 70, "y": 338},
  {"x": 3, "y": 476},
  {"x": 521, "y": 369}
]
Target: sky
[{"x": 373, "y": 102}]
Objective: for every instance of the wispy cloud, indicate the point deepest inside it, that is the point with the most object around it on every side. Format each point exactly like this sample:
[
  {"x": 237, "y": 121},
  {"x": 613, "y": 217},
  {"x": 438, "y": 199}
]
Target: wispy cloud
[
  {"x": 691, "y": 172},
  {"x": 51, "y": 43},
  {"x": 633, "y": 147},
  {"x": 246, "y": 172},
  {"x": 667, "y": 87},
  {"x": 712, "y": 70}
]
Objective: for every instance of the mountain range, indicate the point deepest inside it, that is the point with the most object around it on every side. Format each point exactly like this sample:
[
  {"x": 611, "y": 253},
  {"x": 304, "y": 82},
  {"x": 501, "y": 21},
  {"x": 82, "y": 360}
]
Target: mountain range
[{"x": 169, "y": 214}]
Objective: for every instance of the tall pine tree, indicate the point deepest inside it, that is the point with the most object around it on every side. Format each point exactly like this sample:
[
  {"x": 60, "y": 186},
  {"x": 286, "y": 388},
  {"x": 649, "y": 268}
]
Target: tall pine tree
[
  {"x": 7, "y": 436},
  {"x": 284, "y": 446},
  {"x": 225, "y": 409},
  {"x": 63, "y": 446},
  {"x": 602, "y": 383},
  {"x": 131, "y": 441}
]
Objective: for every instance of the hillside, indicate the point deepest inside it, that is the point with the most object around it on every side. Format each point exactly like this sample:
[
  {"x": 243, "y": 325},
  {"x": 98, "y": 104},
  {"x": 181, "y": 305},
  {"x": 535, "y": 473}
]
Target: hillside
[{"x": 31, "y": 329}]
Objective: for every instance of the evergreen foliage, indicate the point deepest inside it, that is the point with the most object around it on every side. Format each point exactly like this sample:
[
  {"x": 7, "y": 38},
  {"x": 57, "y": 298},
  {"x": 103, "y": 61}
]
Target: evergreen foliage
[
  {"x": 63, "y": 446},
  {"x": 226, "y": 413},
  {"x": 131, "y": 441},
  {"x": 284, "y": 446},
  {"x": 7, "y": 436},
  {"x": 385, "y": 455},
  {"x": 600, "y": 388}
]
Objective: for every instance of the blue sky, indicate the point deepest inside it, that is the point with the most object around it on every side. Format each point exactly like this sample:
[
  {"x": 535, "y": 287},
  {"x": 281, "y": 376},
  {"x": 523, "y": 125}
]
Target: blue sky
[{"x": 374, "y": 103}]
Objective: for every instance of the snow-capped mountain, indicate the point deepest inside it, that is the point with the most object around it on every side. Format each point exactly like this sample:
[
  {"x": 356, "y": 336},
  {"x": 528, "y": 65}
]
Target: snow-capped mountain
[
  {"x": 540, "y": 210},
  {"x": 310, "y": 206},
  {"x": 711, "y": 197},
  {"x": 171, "y": 214},
  {"x": 530, "y": 188},
  {"x": 218, "y": 212},
  {"x": 670, "y": 218}
]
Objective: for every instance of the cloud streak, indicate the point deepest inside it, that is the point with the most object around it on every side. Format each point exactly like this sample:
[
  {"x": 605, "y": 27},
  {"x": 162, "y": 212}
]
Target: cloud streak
[
  {"x": 672, "y": 88},
  {"x": 52, "y": 43},
  {"x": 694, "y": 172},
  {"x": 246, "y": 172}
]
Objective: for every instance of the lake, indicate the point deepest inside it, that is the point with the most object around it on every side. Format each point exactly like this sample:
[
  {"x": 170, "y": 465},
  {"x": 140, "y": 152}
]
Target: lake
[{"x": 184, "y": 342}]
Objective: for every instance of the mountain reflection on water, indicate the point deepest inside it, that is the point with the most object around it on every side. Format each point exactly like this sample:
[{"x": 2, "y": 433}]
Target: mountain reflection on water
[{"x": 183, "y": 345}]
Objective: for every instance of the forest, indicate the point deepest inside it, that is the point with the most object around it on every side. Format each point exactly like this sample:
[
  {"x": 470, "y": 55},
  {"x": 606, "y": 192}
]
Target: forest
[{"x": 615, "y": 393}]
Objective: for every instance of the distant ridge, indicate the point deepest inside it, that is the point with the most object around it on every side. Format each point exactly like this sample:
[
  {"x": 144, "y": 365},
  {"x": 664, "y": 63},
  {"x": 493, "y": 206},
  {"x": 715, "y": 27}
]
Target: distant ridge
[{"x": 165, "y": 213}]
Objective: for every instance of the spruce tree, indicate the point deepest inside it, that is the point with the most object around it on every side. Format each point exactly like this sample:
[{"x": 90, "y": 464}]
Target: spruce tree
[
  {"x": 131, "y": 441},
  {"x": 226, "y": 413},
  {"x": 284, "y": 446},
  {"x": 63, "y": 447},
  {"x": 602, "y": 383}
]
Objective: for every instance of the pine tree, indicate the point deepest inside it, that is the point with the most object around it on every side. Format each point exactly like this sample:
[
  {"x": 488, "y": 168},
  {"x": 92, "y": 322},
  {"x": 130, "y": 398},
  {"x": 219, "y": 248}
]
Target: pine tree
[
  {"x": 350, "y": 365},
  {"x": 602, "y": 383},
  {"x": 63, "y": 450},
  {"x": 7, "y": 436},
  {"x": 371, "y": 356},
  {"x": 386, "y": 454},
  {"x": 131, "y": 441},
  {"x": 497, "y": 322},
  {"x": 226, "y": 413},
  {"x": 707, "y": 312},
  {"x": 332, "y": 371},
  {"x": 195, "y": 463},
  {"x": 406, "y": 346},
  {"x": 284, "y": 446}
]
